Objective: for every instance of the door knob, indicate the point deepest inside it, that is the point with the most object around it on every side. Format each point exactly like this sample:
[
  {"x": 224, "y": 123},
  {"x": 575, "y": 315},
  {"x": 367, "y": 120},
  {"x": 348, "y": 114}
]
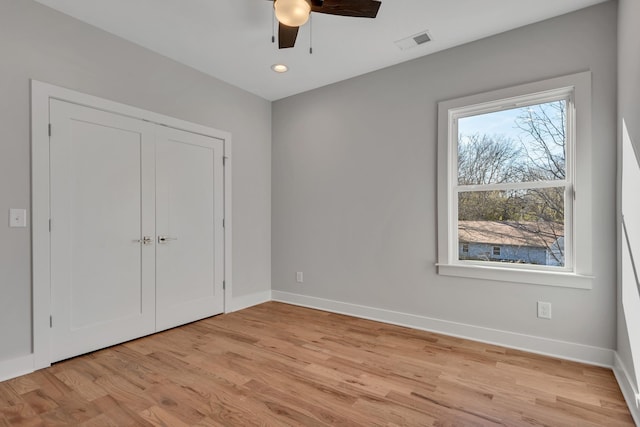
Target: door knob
[
  {"x": 165, "y": 239},
  {"x": 146, "y": 240}
]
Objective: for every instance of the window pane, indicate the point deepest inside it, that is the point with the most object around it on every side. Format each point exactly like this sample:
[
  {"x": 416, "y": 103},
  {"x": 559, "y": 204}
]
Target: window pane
[
  {"x": 522, "y": 144},
  {"x": 515, "y": 226}
]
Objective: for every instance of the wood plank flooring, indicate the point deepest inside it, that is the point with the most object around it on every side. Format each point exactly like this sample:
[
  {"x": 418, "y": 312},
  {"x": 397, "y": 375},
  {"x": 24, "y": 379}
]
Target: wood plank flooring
[{"x": 281, "y": 365}]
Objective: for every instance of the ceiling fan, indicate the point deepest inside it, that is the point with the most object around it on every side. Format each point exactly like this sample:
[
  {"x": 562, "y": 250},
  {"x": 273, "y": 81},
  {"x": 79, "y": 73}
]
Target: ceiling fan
[{"x": 292, "y": 14}]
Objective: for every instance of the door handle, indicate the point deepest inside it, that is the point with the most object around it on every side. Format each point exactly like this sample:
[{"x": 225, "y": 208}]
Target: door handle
[
  {"x": 146, "y": 240},
  {"x": 165, "y": 239}
]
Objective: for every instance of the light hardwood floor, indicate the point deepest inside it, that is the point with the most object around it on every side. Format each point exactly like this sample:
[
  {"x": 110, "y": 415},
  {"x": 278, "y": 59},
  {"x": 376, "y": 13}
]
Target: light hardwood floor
[{"x": 277, "y": 364}]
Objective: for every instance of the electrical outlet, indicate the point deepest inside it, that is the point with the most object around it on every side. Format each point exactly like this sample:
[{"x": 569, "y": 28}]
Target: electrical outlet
[
  {"x": 299, "y": 277},
  {"x": 544, "y": 310}
]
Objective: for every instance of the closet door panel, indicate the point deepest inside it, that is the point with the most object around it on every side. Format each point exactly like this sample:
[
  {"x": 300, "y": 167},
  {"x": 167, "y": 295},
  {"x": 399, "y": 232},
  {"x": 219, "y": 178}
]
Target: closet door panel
[
  {"x": 189, "y": 211},
  {"x": 102, "y": 277}
]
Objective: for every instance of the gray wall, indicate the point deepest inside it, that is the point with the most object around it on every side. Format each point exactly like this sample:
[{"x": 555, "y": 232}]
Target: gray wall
[
  {"x": 39, "y": 43},
  {"x": 354, "y": 183},
  {"x": 629, "y": 110}
]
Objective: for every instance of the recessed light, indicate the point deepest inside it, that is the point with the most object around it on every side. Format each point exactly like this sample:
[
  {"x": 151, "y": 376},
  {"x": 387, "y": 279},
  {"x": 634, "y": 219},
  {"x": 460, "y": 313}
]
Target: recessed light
[{"x": 279, "y": 68}]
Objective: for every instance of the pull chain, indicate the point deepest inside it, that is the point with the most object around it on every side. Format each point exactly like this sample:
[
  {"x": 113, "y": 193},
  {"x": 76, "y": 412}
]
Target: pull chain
[
  {"x": 311, "y": 35},
  {"x": 273, "y": 26}
]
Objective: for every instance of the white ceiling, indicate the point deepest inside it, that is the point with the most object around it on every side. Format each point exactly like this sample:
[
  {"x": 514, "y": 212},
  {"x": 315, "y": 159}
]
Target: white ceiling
[{"x": 231, "y": 39}]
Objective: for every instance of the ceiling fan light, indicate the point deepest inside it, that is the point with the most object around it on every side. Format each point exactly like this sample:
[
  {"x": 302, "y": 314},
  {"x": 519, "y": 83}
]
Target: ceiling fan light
[{"x": 292, "y": 13}]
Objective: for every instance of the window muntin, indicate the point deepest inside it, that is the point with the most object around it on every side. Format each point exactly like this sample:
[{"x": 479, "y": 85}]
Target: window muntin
[{"x": 511, "y": 181}]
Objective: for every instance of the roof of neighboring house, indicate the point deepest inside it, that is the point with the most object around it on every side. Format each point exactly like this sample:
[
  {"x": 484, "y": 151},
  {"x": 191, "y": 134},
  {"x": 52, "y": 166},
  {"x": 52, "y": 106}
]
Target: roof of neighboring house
[{"x": 525, "y": 233}]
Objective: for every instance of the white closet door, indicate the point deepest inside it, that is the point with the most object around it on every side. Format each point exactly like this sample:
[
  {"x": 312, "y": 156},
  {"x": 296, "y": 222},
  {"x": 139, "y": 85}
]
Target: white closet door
[
  {"x": 189, "y": 215},
  {"x": 102, "y": 204}
]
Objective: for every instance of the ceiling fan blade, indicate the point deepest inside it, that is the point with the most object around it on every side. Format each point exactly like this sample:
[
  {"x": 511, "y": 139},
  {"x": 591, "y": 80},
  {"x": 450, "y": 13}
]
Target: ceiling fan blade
[
  {"x": 286, "y": 36},
  {"x": 356, "y": 8}
]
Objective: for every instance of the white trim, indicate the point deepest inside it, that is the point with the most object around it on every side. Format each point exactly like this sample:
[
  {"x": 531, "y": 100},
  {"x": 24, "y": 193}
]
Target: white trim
[
  {"x": 629, "y": 390},
  {"x": 246, "y": 301},
  {"x": 41, "y": 93},
  {"x": 549, "y": 347},
  {"x": 228, "y": 225},
  {"x": 13, "y": 368},
  {"x": 513, "y": 275},
  {"x": 69, "y": 95},
  {"x": 579, "y": 119},
  {"x": 40, "y": 248}
]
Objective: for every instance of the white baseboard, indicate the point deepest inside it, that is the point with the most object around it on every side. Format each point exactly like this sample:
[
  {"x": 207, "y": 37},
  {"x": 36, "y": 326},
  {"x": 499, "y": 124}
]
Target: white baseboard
[
  {"x": 628, "y": 387},
  {"x": 246, "y": 301},
  {"x": 13, "y": 368},
  {"x": 545, "y": 346}
]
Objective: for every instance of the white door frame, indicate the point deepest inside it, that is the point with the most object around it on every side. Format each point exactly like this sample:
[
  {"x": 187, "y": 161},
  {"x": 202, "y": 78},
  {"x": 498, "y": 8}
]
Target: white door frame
[{"x": 41, "y": 93}]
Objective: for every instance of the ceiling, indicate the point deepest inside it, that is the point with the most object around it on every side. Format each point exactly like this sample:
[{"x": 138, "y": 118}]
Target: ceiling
[{"x": 231, "y": 39}]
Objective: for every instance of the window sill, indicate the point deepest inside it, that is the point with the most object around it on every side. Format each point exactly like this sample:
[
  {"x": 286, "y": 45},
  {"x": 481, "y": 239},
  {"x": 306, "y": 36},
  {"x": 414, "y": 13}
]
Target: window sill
[{"x": 534, "y": 277}]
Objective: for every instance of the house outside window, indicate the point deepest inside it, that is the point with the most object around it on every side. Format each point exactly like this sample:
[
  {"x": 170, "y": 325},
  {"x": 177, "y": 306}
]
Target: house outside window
[
  {"x": 506, "y": 243},
  {"x": 507, "y": 191}
]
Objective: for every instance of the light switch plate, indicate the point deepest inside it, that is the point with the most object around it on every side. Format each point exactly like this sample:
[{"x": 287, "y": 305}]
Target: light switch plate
[{"x": 17, "y": 217}]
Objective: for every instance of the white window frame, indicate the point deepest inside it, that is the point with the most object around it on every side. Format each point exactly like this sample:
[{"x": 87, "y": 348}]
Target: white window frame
[{"x": 577, "y": 272}]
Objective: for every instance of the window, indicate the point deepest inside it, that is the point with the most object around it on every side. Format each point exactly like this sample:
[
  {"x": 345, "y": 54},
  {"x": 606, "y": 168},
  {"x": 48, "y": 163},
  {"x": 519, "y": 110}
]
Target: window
[
  {"x": 513, "y": 177},
  {"x": 507, "y": 184}
]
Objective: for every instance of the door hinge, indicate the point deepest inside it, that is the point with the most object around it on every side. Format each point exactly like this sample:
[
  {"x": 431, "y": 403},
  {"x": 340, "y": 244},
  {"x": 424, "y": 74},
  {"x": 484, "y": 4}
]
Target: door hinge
[
  {"x": 224, "y": 160},
  {"x": 49, "y": 129},
  {"x": 49, "y": 225},
  {"x": 51, "y": 321},
  {"x": 222, "y": 222},
  {"x": 224, "y": 285}
]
